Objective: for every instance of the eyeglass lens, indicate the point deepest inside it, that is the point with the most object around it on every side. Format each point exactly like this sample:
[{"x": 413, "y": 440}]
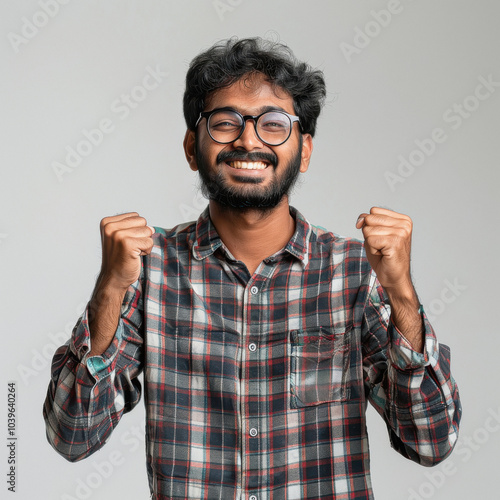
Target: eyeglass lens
[{"x": 272, "y": 127}]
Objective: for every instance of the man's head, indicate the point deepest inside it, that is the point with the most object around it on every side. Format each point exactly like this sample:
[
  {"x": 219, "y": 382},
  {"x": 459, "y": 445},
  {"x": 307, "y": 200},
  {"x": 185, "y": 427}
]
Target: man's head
[
  {"x": 230, "y": 60},
  {"x": 249, "y": 77}
]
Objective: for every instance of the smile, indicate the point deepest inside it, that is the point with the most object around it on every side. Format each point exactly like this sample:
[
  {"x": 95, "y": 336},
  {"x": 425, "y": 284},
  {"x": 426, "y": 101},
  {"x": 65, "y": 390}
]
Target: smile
[{"x": 247, "y": 165}]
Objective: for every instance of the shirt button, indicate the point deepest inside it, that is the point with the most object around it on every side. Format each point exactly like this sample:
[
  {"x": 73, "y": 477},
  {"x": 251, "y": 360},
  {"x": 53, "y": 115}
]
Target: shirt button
[
  {"x": 254, "y": 290},
  {"x": 252, "y": 347},
  {"x": 252, "y": 497},
  {"x": 253, "y": 432}
]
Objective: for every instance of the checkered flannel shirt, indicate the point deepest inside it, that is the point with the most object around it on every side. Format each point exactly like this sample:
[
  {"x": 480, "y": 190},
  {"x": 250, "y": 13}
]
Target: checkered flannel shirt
[{"x": 256, "y": 387}]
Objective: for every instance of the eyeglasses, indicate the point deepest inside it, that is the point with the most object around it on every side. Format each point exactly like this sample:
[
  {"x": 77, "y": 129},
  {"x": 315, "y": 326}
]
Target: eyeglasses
[{"x": 226, "y": 125}]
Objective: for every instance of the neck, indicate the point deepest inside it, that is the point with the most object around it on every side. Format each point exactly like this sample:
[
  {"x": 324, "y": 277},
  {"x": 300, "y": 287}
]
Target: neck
[{"x": 253, "y": 235}]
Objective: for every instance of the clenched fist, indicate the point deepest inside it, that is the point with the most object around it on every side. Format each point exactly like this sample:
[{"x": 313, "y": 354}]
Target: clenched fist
[
  {"x": 388, "y": 243},
  {"x": 125, "y": 238}
]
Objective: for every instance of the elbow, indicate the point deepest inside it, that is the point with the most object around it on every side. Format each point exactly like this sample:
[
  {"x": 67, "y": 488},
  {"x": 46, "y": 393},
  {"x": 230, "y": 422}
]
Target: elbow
[
  {"x": 69, "y": 455},
  {"x": 433, "y": 460},
  {"x": 435, "y": 453},
  {"x": 71, "y": 443},
  {"x": 70, "y": 451}
]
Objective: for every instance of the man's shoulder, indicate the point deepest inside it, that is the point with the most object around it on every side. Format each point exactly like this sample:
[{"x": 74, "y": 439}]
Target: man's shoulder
[
  {"x": 184, "y": 230},
  {"x": 174, "y": 241},
  {"x": 322, "y": 237}
]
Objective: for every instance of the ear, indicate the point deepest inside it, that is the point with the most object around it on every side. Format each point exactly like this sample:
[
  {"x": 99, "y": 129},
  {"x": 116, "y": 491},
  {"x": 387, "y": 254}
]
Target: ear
[
  {"x": 307, "y": 149},
  {"x": 190, "y": 149}
]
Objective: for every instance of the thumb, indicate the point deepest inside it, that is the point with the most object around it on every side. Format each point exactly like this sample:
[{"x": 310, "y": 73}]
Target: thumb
[{"x": 360, "y": 222}]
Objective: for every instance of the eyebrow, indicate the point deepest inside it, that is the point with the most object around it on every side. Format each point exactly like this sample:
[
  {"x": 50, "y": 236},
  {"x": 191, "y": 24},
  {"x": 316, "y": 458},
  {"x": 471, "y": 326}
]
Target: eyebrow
[{"x": 263, "y": 109}]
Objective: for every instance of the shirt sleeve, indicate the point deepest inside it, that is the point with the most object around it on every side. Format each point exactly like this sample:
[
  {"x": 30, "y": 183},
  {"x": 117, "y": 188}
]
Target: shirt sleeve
[
  {"x": 414, "y": 392},
  {"x": 88, "y": 395}
]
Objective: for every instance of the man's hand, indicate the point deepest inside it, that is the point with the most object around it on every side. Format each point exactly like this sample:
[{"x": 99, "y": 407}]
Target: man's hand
[
  {"x": 388, "y": 246},
  {"x": 125, "y": 238},
  {"x": 388, "y": 243}
]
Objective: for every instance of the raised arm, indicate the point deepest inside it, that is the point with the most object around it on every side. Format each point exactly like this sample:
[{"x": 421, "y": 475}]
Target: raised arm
[
  {"x": 94, "y": 376},
  {"x": 407, "y": 373}
]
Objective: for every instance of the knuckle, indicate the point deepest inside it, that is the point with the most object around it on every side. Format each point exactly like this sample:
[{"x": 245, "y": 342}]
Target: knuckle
[
  {"x": 103, "y": 222},
  {"x": 120, "y": 237},
  {"x": 107, "y": 230},
  {"x": 136, "y": 221}
]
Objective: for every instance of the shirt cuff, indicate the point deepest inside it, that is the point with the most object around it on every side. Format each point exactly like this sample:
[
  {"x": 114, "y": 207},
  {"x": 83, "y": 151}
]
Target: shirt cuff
[
  {"x": 402, "y": 354},
  {"x": 101, "y": 365}
]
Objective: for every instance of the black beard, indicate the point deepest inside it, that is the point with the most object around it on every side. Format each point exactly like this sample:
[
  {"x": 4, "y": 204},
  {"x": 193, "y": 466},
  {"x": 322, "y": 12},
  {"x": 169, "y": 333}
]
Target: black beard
[{"x": 214, "y": 187}]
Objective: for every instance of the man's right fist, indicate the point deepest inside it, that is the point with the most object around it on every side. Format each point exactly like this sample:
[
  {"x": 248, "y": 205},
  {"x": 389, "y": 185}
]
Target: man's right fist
[{"x": 125, "y": 238}]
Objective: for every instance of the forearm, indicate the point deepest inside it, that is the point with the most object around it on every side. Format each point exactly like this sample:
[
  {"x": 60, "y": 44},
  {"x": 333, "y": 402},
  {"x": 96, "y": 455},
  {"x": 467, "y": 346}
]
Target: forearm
[
  {"x": 104, "y": 314},
  {"x": 405, "y": 314}
]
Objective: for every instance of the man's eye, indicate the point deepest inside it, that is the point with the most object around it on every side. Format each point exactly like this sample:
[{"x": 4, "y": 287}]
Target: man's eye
[
  {"x": 225, "y": 124},
  {"x": 274, "y": 126}
]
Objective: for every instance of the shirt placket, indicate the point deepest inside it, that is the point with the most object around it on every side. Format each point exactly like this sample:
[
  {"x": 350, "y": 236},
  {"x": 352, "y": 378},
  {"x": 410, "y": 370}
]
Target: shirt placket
[{"x": 251, "y": 431}]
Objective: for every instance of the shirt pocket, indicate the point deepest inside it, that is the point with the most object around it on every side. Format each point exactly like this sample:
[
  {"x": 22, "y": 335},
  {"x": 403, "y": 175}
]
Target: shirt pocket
[{"x": 319, "y": 363}]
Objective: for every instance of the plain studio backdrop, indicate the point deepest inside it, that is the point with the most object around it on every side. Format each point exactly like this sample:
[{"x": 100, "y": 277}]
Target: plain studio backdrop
[{"x": 411, "y": 123}]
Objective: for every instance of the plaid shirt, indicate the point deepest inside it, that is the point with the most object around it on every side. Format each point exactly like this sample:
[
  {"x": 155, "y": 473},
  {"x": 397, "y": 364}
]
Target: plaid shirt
[{"x": 255, "y": 386}]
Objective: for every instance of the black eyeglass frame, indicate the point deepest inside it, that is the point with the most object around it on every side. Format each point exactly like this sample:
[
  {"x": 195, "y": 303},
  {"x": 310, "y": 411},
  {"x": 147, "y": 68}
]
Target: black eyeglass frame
[{"x": 255, "y": 118}]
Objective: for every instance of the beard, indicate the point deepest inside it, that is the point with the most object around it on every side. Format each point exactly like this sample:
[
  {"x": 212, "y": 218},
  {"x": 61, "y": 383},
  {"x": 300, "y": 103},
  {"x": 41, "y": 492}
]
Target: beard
[{"x": 251, "y": 196}]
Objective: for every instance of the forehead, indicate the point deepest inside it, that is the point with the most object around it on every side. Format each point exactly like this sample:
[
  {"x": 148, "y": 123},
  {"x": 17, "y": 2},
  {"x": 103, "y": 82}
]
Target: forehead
[{"x": 250, "y": 94}]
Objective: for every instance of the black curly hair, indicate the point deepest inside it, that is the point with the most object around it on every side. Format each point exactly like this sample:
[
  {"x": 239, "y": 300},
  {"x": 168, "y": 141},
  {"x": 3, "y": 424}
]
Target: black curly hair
[{"x": 229, "y": 60}]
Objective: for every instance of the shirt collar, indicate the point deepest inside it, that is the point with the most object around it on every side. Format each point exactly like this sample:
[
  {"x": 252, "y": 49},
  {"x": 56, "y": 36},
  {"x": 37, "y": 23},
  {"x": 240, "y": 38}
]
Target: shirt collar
[
  {"x": 207, "y": 240},
  {"x": 298, "y": 246}
]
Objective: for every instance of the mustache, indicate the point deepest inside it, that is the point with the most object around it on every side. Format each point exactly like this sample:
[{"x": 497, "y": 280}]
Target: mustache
[{"x": 225, "y": 156}]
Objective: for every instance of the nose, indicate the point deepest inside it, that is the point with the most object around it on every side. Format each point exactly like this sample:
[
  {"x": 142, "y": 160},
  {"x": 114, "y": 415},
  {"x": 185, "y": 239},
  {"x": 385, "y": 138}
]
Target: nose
[{"x": 248, "y": 139}]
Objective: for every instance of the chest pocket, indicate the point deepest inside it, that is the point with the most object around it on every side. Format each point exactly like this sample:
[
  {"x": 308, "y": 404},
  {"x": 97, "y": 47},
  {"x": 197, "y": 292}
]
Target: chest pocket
[{"x": 319, "y": 364}]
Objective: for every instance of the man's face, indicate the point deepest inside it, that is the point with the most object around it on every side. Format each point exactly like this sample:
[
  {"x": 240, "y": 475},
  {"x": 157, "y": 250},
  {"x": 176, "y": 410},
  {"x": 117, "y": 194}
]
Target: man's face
[{"x": 249, "y": 174}]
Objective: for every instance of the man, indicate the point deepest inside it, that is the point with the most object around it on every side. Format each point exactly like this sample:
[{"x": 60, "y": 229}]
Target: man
[{"x": 261, "y": 337}]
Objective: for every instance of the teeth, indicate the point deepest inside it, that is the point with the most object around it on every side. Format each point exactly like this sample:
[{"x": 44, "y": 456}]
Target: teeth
[{"x": 248, "y": 165}]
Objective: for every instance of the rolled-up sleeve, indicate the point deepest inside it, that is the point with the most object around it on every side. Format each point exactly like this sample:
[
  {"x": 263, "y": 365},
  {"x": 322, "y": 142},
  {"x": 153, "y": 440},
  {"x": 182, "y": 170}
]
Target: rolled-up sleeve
[
  {"x": 88, "y": 395},
  {"x": 414, "y": 392}
]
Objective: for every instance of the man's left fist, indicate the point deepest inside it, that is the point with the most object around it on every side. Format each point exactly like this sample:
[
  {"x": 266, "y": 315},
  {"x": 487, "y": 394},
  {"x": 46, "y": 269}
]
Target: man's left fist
[{"x": 388, "y": 244}]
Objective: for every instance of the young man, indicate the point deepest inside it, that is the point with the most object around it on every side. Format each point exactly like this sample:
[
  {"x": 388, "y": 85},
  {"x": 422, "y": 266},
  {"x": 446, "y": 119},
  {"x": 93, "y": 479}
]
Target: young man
[{"x": 261, "y": 337}]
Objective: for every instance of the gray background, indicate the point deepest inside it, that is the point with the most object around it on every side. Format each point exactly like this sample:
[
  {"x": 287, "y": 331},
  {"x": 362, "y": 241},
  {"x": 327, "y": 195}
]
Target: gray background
[{"x": 66, "y": 77}]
